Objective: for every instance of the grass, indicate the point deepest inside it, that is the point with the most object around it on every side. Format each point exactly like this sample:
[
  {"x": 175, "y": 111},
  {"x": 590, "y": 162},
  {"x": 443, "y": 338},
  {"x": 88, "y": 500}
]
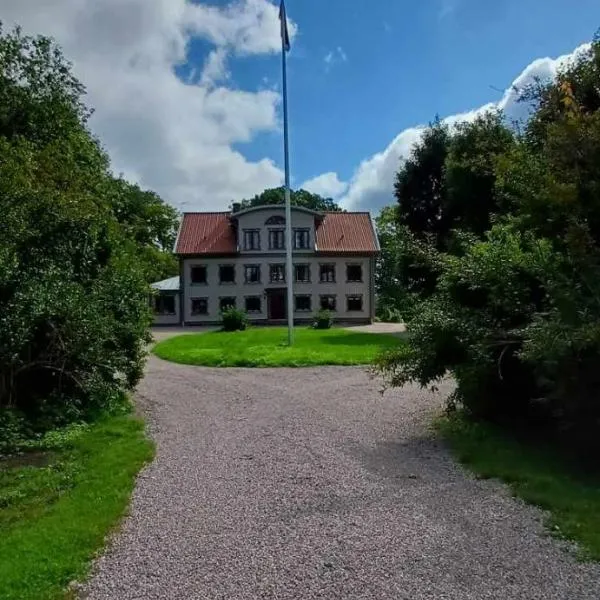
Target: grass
[
  {"x": 538, "y": 474},
  {"x": 56, "y": 508},
  {"x": 267, "y": 347}
]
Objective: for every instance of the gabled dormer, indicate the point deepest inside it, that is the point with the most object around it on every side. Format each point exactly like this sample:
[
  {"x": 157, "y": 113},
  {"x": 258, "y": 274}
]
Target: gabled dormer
[{"x": 261, "y": 229}]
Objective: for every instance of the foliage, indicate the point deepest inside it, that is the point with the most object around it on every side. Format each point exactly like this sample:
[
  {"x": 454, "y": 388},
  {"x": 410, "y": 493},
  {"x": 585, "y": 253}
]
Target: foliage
[
  {"x": 234, "y": 319},
  {"x": 323, "y": 320},
  {"x": 57, "y": 508},
  {"x": 298, "y": 198},
  {"x": 268, "y": 347},
  {"x": 496, "y": 239},
  {"x": 78, "y": 249},
  {"x": 536, "y": 473}
]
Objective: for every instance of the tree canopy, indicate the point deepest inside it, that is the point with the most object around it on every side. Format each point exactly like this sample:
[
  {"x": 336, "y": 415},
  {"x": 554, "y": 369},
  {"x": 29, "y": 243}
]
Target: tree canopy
[
  {"x": 496, "y": 241},
  {"x": 297, "y": 197},
  {"x": 77, "y": 250}
]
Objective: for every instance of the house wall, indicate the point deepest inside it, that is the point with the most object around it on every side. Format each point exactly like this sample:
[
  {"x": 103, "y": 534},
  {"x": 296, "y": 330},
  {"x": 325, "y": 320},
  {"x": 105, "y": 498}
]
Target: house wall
[
  {"x": 256, "y": 220},
  {"x": 213, "y": 290}
]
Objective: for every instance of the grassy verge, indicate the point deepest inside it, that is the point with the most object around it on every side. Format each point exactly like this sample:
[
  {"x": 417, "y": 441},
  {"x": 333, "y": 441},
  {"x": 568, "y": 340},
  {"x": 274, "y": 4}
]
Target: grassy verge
[
  {"x": 57, "y": 507},
  {"x": 267, "y": 347},
  {"x": 539, "y": 475}
]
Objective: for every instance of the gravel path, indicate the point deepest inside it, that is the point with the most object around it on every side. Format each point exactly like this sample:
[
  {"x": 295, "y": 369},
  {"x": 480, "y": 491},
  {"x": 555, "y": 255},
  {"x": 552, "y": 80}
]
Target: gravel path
[{"x": 307, "y": 483}]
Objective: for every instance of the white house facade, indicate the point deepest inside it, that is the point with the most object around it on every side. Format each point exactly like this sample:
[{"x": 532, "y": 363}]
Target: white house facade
[{"x": 239, "y": 259}]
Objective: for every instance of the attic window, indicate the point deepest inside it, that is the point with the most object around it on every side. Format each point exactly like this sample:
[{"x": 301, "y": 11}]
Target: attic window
[{"x": 276, "y": 220}]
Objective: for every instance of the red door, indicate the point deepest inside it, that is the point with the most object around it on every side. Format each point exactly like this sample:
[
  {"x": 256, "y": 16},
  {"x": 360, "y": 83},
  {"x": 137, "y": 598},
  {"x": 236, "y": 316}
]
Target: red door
[{"x": 277, "y": 306}]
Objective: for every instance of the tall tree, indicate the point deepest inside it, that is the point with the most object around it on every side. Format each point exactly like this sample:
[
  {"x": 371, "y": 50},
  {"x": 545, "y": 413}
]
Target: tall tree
[{"x": 298, "y": 198}]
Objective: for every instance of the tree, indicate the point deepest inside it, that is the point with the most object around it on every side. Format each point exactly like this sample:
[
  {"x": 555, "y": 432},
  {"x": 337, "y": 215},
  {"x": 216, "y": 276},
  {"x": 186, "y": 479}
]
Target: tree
[
  {"x": 150, "y": 223},
  {"x": 298, "y": 198},
  {"x": 74, "y": 312},
  {"x": 512, "y": 234}
]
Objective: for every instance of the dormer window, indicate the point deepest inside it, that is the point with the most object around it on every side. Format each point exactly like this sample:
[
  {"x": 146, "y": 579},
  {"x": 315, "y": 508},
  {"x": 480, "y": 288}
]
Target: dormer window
[
  {"x": 301, "y": 239},
  {"x": 251, "y": 239},
  {"x": 276, "y": 239},
  {"x": 275, "y": 220}
]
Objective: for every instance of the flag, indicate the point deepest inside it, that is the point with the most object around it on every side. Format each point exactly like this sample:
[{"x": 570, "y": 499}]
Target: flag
[{"x": 285, "y": 34}]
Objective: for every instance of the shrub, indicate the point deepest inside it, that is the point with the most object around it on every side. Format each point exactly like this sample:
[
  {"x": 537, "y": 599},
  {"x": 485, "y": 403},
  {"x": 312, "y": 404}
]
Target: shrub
[
  {"x": 234, "y": 319},
  {"x": 323, "y": 320}
]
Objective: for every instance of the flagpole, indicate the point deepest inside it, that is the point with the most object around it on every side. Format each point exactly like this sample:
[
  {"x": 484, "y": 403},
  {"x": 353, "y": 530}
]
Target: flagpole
[{"x": 288, "y": 202}]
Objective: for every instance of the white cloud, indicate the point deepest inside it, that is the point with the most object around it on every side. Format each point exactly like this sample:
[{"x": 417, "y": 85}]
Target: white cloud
[
  {"x": 215, "y": 67},
  {"x": 335, "y": 56},
  {"x": 327, "y": 185},
  {"x": 372, "y": 184},
  {"x": 172, "y": 136}
]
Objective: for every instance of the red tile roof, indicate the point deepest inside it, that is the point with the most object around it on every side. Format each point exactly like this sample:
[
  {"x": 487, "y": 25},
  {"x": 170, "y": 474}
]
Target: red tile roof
[
  {"x": 206, "y": 233},
  {"x": 337, "y": 232},
  {"x": 346, "y": 232}
]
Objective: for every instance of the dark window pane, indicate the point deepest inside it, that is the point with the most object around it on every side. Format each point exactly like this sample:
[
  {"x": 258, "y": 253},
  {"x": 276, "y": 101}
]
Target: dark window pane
[
  {"x": 354, "y": 272},
  {"x": 164, "y": 304},
  {"x": 328, "y": 303},
  {"x": 253, "y": 304},
  {"x": 251, "y": 239},
  {"x": 276, "y": 220},
  {"x": 228, "y": 302},
  {"x": 227, "y": 274},
  {"x": 303, "y": 303},
  {"x": 301, "y": 239},
  {"x": 276, "y": 239},
  {"x": 198, "y": 274},
  {"x": 199, "y": 306},
  {"x": 328, "y": 273},
  {"x": 302, "y": 273},
  {"x": 355, "y": 303},
  {"x": 277, "y": 273},
  {"x": 252, "y": 273}
]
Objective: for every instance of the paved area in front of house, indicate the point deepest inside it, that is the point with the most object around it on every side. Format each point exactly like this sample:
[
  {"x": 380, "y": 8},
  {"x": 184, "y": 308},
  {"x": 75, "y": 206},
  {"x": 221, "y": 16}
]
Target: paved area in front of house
[{"x": 308, "y": 483}]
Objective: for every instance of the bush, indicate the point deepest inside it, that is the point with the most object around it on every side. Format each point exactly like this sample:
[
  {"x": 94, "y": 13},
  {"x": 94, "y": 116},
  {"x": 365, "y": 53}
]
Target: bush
[
  {"x": 323, "y": 320},
  {"x": 234, "y": 319}
]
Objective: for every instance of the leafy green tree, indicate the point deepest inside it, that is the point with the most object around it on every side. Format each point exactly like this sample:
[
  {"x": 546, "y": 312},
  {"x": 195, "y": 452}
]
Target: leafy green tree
[
  {"x": 298, "y": 198},
  {"x": 150, "y": 223},
  {"x": 74, "y": 313},
  {"x": 514, "y": 309}
]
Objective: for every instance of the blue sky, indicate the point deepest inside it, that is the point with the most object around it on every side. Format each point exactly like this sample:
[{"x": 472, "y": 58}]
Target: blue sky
[
  {"x": 405, "y": 63},
  {"x": 187, "y": 92}
]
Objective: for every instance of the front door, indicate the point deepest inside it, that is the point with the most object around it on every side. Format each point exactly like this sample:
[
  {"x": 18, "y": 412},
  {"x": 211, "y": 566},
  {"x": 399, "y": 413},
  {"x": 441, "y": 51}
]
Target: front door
[{"x": 277, "y": 305}]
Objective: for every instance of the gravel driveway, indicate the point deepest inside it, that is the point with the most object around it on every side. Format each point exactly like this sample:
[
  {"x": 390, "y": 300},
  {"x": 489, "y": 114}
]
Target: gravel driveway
[{"x": 307, "y": 483}]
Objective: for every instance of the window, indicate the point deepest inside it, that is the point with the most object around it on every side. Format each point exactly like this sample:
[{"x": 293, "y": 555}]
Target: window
[
  {"x": 227, "y": 274},
  {"x": 354, "y": 303},
  {"x": 252, "y": 273},
  {"x": 353, "y": 273},
  {"x": 275, "y": 220},
  {"x": 302, "y": 273},
  {"x": 276, "y": 273},
  {"x": 276, "y": 239},
  {"x": 253, "y": 304},
  {"x": 251, "y": 239},
  {"x": 328, "y": 303},
  {"x": 199, "y": 306},
  {"x": 303, "y": 303},
  {"x": 301, "y": 239},
  {"x": 164, "y": 304},
  {"x": 227, "y": 302},
  {"x": 327, "y": 274},
  {"x": 198, "y": 274}
]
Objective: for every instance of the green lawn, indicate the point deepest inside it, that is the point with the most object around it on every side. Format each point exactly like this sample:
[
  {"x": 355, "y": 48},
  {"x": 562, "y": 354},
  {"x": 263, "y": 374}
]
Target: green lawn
[
  {"x": 267, "y": 347},
  {"x": 538, "y": 475},
  {"x": 57, "y": 507}
]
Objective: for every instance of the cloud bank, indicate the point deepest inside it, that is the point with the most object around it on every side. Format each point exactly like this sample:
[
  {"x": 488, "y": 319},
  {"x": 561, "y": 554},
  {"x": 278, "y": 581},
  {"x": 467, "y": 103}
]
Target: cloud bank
[
  {"x": 172, "y": 136},
  {"x": 371, "y": 185}
]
